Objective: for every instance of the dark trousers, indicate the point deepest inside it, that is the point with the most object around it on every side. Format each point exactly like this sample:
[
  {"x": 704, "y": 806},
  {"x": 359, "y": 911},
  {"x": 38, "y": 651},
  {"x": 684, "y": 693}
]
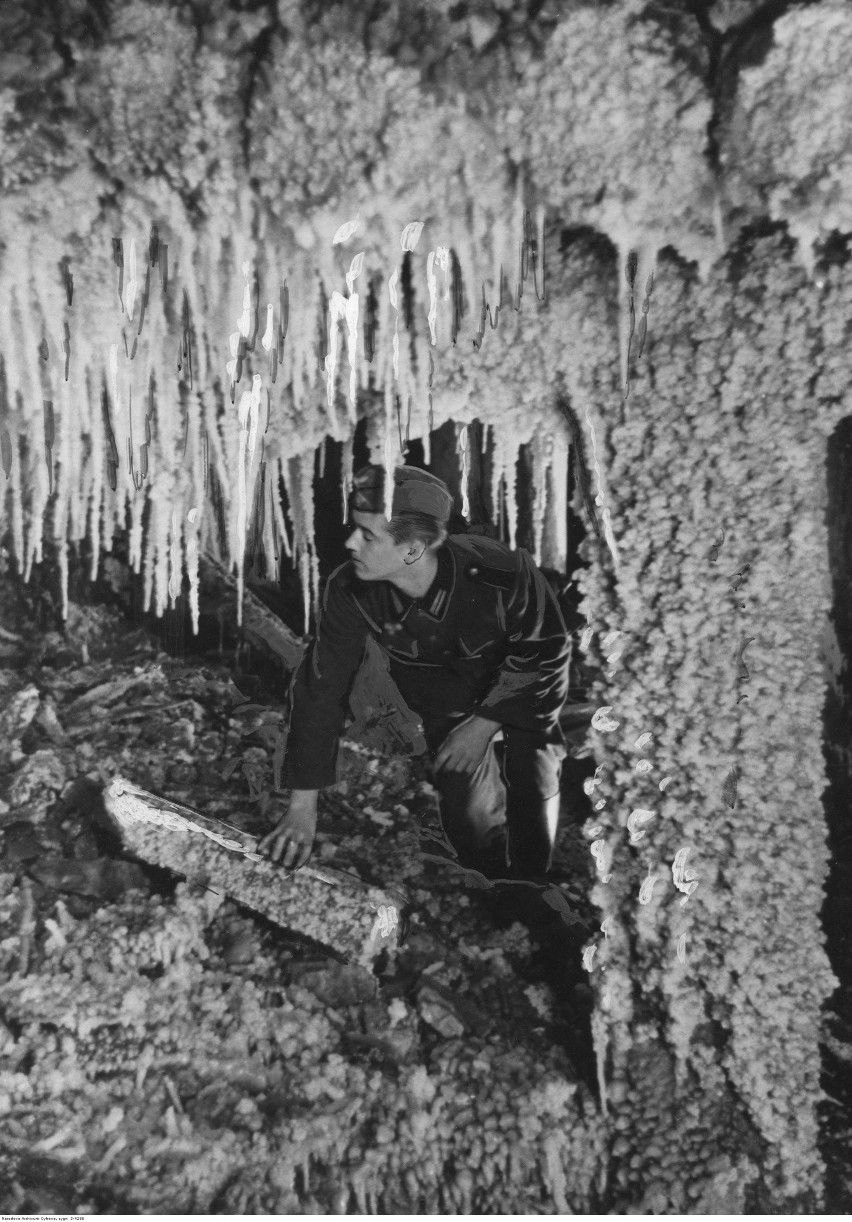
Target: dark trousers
[{"x": 510, "y": 803}]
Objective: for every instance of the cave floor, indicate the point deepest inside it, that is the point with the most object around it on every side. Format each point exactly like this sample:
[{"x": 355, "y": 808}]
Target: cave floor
[{"x": 154, "y": 1034}]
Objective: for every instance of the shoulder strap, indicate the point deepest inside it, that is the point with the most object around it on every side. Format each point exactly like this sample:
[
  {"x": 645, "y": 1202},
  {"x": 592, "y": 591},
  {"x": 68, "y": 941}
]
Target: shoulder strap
[{"x": 490, "y": 575}]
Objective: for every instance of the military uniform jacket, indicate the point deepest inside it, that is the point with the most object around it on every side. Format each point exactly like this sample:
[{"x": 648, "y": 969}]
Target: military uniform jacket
[{"x": 487, "y": 638}]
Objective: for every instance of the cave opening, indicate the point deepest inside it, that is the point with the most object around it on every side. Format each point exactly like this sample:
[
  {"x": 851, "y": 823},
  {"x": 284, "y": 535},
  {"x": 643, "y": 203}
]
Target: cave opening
[
  {"x": 838, "y": 706},
  {"x": 837, "y": 798}
]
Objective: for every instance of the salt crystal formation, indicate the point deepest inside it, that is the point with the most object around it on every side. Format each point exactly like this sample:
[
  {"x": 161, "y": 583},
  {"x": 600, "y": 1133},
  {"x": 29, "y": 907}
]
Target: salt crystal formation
[
  {"x": 705, "y": 989},
  {"x": 170, "y": 1083},
  {"x": 327, "y": 906}
]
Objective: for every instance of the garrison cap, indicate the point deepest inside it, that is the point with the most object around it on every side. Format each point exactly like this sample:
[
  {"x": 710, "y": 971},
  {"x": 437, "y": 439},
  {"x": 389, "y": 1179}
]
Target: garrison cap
[{"x": 414, "y": 490}]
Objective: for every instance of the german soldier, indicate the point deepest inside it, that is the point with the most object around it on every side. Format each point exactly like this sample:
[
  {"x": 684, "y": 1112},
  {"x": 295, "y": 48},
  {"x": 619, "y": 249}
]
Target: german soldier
[{"x": 476, "y": 643}]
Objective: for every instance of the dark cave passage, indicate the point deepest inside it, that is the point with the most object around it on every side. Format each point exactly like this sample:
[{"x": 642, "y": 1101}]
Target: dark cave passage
[{"x": 837, "y": 801}]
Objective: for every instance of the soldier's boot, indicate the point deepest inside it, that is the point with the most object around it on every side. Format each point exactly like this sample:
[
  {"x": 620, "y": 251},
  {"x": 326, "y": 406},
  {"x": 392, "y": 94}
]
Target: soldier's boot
[
  {"x": 492, "y": 854},
  {"x": 531, "y": 839}
]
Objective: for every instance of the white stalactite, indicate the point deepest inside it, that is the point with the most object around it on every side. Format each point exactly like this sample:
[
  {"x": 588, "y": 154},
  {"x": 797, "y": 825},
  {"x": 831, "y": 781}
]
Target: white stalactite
[
  {"x": 389, "y": 464},
  {"x": 192, "y": 566},
  {"x": 351, "y": 316},
  {"x": 347, "y": 469},
  {"x": 496, "y": 473},
  {"x": 248, "y": 410},
  {"x": 162, "y": 518},
  {"x": 507, "y": 454},
  {"x": 15, "y": 492},
  {"x": 645, "y": 254},
  {"x": 392, "y": 294},
  {"x": 540, "y": 454},
  {"x": 306, "y": 488},
  {"x": 462, "y": 450},
  {"x": 60, "y": 538},
  {"x": 300, "y": 345},
  {"x": 130, "y": 282},
  {"x": 279, "y": 468},
  {"x": 560, "y": 458},
  {"x": 135, "y": 511},
  {"x": 269, "y": 333},
  {"x": 336, "y": 312},
  {"x": 175, "y": 566},
  {"x": 149, "y": 560}
]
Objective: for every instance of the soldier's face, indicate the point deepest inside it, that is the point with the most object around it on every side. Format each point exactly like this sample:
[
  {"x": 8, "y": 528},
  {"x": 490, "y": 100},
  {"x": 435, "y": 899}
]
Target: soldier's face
[{"x": 376, "y": 555}]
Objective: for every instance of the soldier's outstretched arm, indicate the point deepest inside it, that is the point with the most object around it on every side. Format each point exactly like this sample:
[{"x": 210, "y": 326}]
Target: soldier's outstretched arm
[
  {"x": 320, "y": 688},
  {"x": 318, "y": 701}
]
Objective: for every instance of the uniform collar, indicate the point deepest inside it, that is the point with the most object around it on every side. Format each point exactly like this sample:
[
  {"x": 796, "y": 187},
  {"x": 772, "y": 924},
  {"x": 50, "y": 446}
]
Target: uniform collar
[{"x": 436, "y": 599}]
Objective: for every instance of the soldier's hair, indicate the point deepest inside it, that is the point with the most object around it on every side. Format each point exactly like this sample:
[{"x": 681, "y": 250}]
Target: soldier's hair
[{"x": 411, "y": 524}]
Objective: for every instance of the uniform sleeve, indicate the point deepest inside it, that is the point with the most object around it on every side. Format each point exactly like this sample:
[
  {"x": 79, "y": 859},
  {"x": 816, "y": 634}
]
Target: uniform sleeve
[
  {"x": 531, "y": 684},
  {"x": 319, "y": 690}
]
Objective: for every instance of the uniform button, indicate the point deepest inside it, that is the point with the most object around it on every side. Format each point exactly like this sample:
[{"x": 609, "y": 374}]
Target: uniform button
[{"x": 473, "y": 570}]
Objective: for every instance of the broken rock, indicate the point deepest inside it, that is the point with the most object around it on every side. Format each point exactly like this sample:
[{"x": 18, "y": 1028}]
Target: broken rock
[
  {"x": 103, "y": 879},
  {"x": 20, "y": 842},
  {"x": 240, "y": 943},
  {"x": 338, "y": 986},
  {"x": 47, "y": 721},
  {"x": 102, "y": 696},
  {"x": 438, "y": 1011},
  {"x": 37, "y": 782},
  {"x": 15, "y": 715}
]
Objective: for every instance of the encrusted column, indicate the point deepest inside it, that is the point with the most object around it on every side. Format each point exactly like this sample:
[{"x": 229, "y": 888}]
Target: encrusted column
[{"x": 710, "y": 972}]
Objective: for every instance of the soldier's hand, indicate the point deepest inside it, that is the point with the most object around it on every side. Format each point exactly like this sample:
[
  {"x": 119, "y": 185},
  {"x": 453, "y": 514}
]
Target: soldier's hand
[
  {"x": 463, "y": 748},
  {"x": 291, "y": 841}
]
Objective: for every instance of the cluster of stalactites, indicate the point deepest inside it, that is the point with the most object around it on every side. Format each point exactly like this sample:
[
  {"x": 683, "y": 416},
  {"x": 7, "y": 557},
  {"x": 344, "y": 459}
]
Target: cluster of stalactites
[{"x": 160, "y": 390}]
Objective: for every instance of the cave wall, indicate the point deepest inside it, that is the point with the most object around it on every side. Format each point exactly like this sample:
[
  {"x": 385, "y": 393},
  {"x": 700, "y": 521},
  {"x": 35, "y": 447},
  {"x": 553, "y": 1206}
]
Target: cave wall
[{"x": 710, "y": 992}]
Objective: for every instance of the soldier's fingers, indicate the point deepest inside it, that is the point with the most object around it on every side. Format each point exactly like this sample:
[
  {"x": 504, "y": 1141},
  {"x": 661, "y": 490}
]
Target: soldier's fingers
[
  {"x": 299, "y": 853},
  {"x": 278, "y": 850},
  {"x": 291, "y": 854},
  {"x": 267, "y": 844}
]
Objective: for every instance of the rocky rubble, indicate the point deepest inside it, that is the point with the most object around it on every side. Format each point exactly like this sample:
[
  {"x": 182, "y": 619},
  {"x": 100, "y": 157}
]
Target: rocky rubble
[{"x": 164, "y": 1050}]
